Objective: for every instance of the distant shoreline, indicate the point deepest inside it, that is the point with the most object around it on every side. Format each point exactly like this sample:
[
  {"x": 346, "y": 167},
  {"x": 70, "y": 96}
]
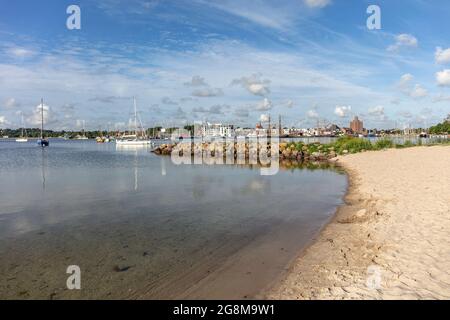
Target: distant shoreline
[{"x": 389, "y": 240}]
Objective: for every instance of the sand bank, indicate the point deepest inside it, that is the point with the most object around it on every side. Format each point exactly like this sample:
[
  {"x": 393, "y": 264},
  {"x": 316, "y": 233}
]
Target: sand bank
[{"x": 392, "y": 238}]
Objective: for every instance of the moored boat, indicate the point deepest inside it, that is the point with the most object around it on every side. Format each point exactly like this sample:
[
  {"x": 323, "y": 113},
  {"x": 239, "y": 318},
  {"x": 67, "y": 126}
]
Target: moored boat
[
  {"x": 22, "y": 138},
  {"x": 100, "y": 140},
  {"x": 139, "y": 138},
  {"x": 83, "y": 135},
  {"x": 42, "y": 141}
]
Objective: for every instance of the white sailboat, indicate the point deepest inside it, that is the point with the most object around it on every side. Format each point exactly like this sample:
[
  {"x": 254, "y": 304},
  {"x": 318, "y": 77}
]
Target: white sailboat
[
  {"x": 139, "y": 138},
  {"x": 83, "y": 136},
  {"x": 22, "y": 138}
]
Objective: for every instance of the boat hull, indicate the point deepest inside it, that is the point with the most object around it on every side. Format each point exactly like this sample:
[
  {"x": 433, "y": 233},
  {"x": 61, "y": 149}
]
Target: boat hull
[
  {"x": 43, "y": 143},
  {"x": 21, "y": 140},
  {"x": 133, "y": 143}
]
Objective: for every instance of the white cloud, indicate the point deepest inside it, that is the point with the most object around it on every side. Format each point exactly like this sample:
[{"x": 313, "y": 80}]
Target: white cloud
[
  {"x": 241, "y": 113},
  {"x": 443, "y": 78},
  {"x": 407, "y": 40},
  {"x": 120, "y": 125},
  {"x": 80, "y": 123},
  {"x": 342, "y": 111},
  {"x": 264, "y": 118},
  {"x": 3, "y": 120},
  {"x": 196, "y": 81},
  {"x": 376, "y": 111},
  {"x": 441, "y": 98},
  {"x": 204, "y": 90},
  {"x": 100, "y": 74},
  {"x": 442, "y": 56},
  {"x": 18, "y": 52},
  {"x": 418, "y": 92},
  {"x": 289, "y": 104},
  {"x": 258, "y": 89},
  {"x": 312, "y": 114},
  {"x": 254, "y": 84},
  {"x": 36, "y": 116},
  {"x": 11, "y": 103},
  {"x": 207, "y": 92},
  {"x": 213, "y": 110},
  {"x": 403, "y": 41},
  {"x": 414, "y": 91},
  {"x": 262, "y": 13},
  {"x": 169, "y": 101},
  {"x": 121, "y": 8},
  {"x": 264, "y": 105},
  {"x": 405, "y": 114},
  {"x": 317, "y": 3},
  {"x": 406, "y": 79},
  {"x": 110, "y": 99}
]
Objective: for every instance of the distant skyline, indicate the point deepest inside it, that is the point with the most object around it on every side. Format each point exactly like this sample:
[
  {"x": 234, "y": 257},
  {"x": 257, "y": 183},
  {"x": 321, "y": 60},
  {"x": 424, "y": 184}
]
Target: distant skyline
[{"x": 224, "y": 61}]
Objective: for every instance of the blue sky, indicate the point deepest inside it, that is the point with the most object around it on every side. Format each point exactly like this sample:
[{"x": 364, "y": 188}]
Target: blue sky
[{"x": 225, "y": 61}]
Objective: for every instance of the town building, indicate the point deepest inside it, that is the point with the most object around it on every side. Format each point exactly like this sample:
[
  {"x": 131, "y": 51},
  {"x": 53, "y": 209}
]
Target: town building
[
  {"x": 357, "y": 125},
  {"x": 217, "y": 130}
]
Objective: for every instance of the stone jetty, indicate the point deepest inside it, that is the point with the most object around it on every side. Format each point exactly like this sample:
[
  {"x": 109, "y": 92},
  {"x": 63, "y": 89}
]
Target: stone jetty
[{"x": 286, "y": 151}]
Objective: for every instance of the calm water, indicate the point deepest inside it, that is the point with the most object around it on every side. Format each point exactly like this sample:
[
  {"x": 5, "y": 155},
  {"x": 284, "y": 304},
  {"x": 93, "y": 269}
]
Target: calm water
[
  {"x": 140, "y": 227},
  {"x": 395, "y": 139}
]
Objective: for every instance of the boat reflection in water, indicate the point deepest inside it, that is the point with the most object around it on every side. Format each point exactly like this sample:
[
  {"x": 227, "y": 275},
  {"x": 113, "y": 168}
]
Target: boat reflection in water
[
  {"x": 135, "y": 150},
  {"x": 44, "y": 167}
]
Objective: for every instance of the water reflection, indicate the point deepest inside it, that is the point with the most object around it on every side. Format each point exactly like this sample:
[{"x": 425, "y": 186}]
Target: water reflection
[
  {"x": 258, "y": 186},
  {"x": 134, "y": 150},
  {"x": 291, "y": 165},
  {"x": 103, "y": 206},
  {"x": 163, "y": 166},
  {"x": 43, "y": 166},
  {"x": 135, "y": 171},
  {"x": 396, "y": 139}
]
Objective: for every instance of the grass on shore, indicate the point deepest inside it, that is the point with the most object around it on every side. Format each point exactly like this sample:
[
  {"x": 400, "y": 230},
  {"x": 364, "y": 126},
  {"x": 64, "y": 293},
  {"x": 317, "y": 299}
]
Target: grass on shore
[{"x": 345, "y": 145}]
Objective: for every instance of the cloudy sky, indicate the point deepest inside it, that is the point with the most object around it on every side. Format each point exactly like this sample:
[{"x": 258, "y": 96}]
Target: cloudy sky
[{"x": 225, "y": 61}]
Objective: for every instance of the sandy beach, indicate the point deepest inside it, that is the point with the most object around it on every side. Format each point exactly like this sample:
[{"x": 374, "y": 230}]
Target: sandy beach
[{"x": 392, "y": 238}]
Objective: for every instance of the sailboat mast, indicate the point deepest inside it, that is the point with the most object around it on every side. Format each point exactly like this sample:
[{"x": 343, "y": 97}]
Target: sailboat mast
[
  {"x": 21, "y": 113},
  {"x": 42, "y": 118},
  {"x": 135, "y": 117}
]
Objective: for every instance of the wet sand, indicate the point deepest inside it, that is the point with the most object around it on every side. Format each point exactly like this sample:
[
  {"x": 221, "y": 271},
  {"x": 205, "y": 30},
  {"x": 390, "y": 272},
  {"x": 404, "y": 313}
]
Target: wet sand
[
  {"x": 392, "y": 238},
  {"x": 130, "y": 259}
]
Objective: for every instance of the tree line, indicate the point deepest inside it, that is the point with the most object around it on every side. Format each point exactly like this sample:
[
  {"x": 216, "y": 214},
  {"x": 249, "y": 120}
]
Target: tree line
[{"x": 441, "y": 128}]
